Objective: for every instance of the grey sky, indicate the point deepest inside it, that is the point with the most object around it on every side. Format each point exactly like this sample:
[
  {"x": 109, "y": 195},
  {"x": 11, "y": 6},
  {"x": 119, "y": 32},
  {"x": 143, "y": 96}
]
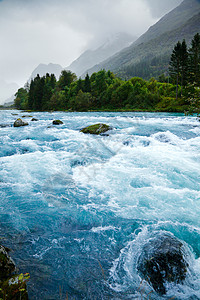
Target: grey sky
[{"x": 44, "y": 31}]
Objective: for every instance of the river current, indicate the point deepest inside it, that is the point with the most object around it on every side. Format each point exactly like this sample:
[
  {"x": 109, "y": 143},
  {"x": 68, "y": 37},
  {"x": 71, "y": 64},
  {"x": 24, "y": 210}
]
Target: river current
[{"x": 77, "y": 209}]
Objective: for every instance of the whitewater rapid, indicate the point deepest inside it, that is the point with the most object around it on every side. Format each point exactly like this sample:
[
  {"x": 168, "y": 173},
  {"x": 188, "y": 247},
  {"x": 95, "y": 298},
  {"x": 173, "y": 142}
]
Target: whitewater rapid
[{"x": 77, "y": 209}]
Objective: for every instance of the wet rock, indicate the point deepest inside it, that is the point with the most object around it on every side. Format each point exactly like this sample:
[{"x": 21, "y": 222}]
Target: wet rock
[
  {"x": 7, "y": 265},
  {"x": 34, "y": 119},
  {"x": 96, "y": 129},
  {"x": 27, "y": 116},
  {"x": 19, "y": 123},
  {"x": 162, "y": 261},
  {"x": 57, "y": 122}
]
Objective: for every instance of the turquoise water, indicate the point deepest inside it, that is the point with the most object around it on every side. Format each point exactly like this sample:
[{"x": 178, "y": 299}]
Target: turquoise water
[{"x": 77, "y": 209}]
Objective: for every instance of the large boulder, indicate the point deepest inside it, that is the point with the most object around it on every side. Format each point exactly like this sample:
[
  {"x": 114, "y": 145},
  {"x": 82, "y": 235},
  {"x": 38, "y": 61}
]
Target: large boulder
[
  {"x": 162, "y": 261},
  {"x": 19, "y": 123},
  {"x": 96, "y": 129}
]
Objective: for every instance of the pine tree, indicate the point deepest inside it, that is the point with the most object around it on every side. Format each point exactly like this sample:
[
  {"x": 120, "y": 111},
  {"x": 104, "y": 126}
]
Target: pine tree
[
  {"x": 175, "y": 65},
  {"x": 87, "y": 84},
  {"x": 179, "y": 65},
  {"x": 194, "y": 60},
  {"x": 31, "y": 95},
  {"x": 184, "y": 64},
  {"x": 39, "y": 92}
]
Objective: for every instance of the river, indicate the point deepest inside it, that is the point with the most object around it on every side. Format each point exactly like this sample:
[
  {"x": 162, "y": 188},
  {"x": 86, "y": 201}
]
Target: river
[{"x": 77, "y": 209}]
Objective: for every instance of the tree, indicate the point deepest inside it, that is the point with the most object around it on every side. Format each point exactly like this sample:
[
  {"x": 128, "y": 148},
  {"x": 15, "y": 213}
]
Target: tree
[
  {"x": 66, "y": 78},
  {"x": 178, "y": 65},
  {"x": 79, "y": 85},
  {"x": 21, "y": 99},
  {"x": 194, "y": 61},
  {"x": 87, "y": 84},
  {"x": 38, "y": 93},
  {"x": 121, "y": 94},
  {"x": 184, "y": 64},
  {"x": 82, "y": 102}
]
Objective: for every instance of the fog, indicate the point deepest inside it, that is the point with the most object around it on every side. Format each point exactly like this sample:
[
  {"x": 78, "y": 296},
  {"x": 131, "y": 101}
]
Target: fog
[{"x": 44, "y": 31}]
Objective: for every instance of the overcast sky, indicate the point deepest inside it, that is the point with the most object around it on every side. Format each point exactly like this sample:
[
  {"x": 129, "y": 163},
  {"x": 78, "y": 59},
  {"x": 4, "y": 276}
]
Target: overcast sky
[{"x": 44, "y": 31}]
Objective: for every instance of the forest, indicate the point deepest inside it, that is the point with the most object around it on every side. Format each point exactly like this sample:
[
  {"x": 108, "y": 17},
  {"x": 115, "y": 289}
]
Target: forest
[{"x": 178, "y": 92}]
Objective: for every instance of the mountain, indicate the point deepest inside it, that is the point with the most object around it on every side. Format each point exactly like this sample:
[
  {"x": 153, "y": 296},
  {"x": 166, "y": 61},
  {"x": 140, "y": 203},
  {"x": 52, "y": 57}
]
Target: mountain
[
  {"x": 150, "y": 54},
  {"x": 92, "y": 57},
  {"x": 42, "y": 69}
]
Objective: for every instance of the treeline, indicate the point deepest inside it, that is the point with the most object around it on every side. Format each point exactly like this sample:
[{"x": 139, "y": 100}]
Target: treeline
[
  {"x": 184, "y": 70},
  {"x": 104, "y": 91},
  {"x": 184, "y": 66},
  {"x": 100, "y": 91}
]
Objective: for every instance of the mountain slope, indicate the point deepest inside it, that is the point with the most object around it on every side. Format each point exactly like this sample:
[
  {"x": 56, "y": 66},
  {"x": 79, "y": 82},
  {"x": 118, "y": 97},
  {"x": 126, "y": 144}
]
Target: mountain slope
[
  {"x": 172, "y": 20},
  {"x": 151, "y": 52},
  {"x": 92, "y": 57}
]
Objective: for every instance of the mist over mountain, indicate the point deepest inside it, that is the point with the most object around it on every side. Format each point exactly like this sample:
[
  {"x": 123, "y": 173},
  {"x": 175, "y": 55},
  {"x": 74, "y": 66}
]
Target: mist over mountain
[
  {"x": 50, "y": 68},
  {"x": 92, "y": 57},
  {"x": 149, "y": 55},
  {"x": 87, "y": 59},
  {"x": 7, "y": 89}
]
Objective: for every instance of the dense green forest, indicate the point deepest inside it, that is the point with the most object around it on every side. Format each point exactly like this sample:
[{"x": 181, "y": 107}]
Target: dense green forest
[{"x": 104, "y": 91}]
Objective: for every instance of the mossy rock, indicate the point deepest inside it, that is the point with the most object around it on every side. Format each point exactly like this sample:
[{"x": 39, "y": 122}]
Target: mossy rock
[
  {"x": 19, "y": 123},
  {"x": 14, "y": 288},
  {"x": 57, "y": 122},
  {"x": 96, "y": 129}
]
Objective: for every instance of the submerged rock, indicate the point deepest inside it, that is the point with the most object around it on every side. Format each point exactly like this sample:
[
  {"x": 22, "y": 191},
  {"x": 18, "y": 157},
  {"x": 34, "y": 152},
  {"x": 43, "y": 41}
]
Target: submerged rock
[
  {"x": 96, "y": 129},
  {"x": 4, "y": 125},
  {"x": 12, "y": 286},
  {"x": 162, "y": 261},
  {"x": 57, "y": 122},
  {"x": 34, "y": 119},
  {"x": 19, "y": 123}
]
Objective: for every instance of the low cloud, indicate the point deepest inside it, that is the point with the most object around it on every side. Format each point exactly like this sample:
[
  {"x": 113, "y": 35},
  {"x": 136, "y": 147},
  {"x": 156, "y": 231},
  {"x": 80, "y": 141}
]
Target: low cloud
[{"x": 35, "y": 31}]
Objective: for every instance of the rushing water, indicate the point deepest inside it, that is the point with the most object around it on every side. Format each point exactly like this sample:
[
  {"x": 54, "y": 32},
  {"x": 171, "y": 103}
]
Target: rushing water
[{"x": 76, "y": 209}]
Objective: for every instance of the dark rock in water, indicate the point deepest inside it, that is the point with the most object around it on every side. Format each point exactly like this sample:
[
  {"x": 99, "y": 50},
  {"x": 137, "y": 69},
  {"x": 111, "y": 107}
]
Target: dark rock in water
[
  {"x": 27, "y": 116},
  {"x": 162, "y": 261},
  {"x": 7, "y": 265},
  {"x": 12, "y": 286},
  {"x": 96, "y": 129},
  {"x": 57, "y": 122},
  {"x": 19, "y": 123},
  {"x": 34, "y": 119}
]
